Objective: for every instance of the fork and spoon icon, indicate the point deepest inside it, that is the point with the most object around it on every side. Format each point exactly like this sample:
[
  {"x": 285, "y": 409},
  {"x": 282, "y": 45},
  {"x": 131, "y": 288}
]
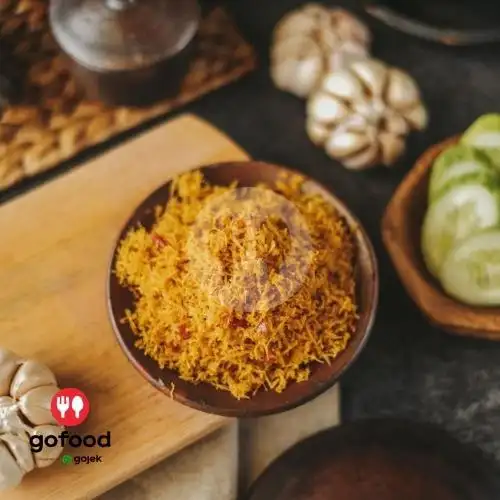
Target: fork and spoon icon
[{"x": 63, "y": 405}]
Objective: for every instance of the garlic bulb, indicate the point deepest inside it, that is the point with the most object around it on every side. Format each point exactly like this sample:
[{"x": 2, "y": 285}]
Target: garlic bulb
[
  {"x": 362, "y": 115},
  {"x": 312, "y": 40},
  {"x": 26, "y": 391}
]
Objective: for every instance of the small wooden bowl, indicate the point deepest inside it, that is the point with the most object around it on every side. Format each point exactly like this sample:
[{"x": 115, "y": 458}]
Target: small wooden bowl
[
  {"x": 204, "y": 397},
  {"x": 401, "y": 227}
]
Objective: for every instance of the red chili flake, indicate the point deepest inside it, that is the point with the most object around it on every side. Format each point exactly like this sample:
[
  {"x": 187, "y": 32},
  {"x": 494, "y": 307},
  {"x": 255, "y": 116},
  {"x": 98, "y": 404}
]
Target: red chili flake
[
  {"x": 184, "y": 332},
  {"x": 238, "y": 322},
  {"x": 271, "y": 358},
  {"x": 270, "y": 261},
  {"x": 281, "y": 224},
  {"x": 333, "y": 276},
  {"x": 159, "y": 240},
  {"x": 268, "y": 358}
]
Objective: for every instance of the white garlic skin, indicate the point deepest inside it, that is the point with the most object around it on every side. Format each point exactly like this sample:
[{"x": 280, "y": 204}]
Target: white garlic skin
[
  {"x": 295, "y": 69},
  {"x": 20, "y": 447},
  {"x": 348, "y": 53},
  {"x": 362, "y": 115},
  {"x": 48, "y": 455},
  {"x": 9, "y": 363},
  {"x": 312, "y": 40},
  {"x": 11, "y": 473},
  {"x": 27, "y": 388},
  {"x": 31, "y": 374}
]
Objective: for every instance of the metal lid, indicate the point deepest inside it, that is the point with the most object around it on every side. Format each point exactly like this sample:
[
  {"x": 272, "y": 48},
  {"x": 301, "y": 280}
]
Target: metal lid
[{"x": 123, "y": 34}]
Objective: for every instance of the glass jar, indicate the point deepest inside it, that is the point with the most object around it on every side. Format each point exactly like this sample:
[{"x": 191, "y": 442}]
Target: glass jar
[{"x": 126, "y": 52}]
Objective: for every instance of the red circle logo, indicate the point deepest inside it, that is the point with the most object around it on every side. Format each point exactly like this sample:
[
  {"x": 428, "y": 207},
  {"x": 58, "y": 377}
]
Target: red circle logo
[{"x": 70, "y": 407}]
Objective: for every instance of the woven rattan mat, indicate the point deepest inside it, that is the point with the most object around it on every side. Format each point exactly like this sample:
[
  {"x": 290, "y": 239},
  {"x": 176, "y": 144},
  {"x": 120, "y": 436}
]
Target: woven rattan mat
[{"x": 54, "y": 122}]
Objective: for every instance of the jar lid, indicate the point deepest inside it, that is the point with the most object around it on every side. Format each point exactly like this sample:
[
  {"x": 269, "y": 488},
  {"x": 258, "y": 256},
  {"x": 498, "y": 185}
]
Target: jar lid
[{"x": 123, "y": 34}]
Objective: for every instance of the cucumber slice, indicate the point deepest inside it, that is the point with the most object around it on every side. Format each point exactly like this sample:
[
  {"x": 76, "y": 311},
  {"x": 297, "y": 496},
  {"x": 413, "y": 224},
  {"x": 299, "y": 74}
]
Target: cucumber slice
[
  {"x": 458, "y": 213},
  {"x": 484, "y": 134},
  {"x": 471, "y": 272},
  {"x": 488, "y": 179},
  {"x": 457, "y": 163}
]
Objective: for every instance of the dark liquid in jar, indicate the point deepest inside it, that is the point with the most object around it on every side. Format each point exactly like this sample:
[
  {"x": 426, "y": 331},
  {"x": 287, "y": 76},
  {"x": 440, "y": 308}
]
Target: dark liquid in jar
[{"x": 139, "y": 86}]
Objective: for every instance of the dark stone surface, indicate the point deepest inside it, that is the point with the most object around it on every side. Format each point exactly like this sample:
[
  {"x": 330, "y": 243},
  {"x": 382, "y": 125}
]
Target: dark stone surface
[{"x": 408, "y": 369}]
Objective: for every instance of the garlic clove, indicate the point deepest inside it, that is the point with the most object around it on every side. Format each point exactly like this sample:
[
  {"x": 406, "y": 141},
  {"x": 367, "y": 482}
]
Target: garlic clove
[
  {"x": 296, "y": 65},
  {"x": 341, "y": 144},
  {"x": 328, "y": 37},
  {"x": 19, "y": 446},
  {"x": 9, "y": 362},
  {"x": 402, "y": 91},
  {"x": 349, "y": 27},
  {"x": 10, "y": 419},
  {"x": 417, "y": 116},
  {"x": 35, "y": 404},
  {"x": 326, "y": 108},
  {"x": 295, "y": 47},
  {"x": 364, "y": 159},
  {"x": 373, "y": 74},
  {"x": 295, "y": 25},
  {"x": 343, "y": 84},
  {"x": 346, "y": 55},
  {"x": 48, "y": 455},
  {"x": 359, "y": 124},
  {"x": 317, "y": 132},
  {"x": 315, "y": 10},
  {"x": 396, "y": 124},
  {"x": 31, "y": 374},
  {"x": 301, "y": 21},
  {"x": 392, "y": 148},
  {"x": 297, "y": 77},
  {"x": 11, "y": 473}
]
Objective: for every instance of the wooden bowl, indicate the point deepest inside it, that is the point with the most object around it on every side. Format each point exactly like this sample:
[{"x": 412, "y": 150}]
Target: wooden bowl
[
  {"x": 203, "y": 396},
  {"x": 401, "y": 226},
  {"x": 397, "y": 459}
]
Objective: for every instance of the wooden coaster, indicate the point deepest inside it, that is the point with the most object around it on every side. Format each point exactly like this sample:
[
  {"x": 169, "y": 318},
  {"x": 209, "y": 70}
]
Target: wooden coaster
[{"x": 55, "y": 122}]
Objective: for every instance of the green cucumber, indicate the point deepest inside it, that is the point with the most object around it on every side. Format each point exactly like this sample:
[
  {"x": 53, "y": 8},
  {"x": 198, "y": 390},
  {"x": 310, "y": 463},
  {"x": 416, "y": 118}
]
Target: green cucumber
[
  {"x": 471, "y": 271},
  {"x": 458, "y": 163},
  {"x": 484, "y": 134},
  {"x": 488, "y": 179},
  {"x": 458, "y": 213}
]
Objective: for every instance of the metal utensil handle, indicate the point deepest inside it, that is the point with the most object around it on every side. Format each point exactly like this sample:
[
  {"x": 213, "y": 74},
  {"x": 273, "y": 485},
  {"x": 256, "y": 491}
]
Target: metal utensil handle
[{"x": 422, "y": 30}]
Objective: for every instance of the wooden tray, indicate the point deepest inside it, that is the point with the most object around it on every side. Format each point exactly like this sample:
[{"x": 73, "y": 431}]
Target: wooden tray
[
  {"x": 56, "y": 246},
  {"x": 54, "y": 122},
  {"x": 401, "y": 226}
]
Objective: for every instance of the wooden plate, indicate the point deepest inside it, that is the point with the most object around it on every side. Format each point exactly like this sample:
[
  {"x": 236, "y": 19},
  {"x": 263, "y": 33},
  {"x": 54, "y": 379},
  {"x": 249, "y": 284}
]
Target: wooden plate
[
  {"x": 203, "y": 396},
  {"x": 401, "y": 234},
  {"x": 379, "y": 460}
]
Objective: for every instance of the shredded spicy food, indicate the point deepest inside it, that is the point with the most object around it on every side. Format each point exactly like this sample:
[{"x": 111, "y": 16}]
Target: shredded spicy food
[{"x": 241, "y": 288}]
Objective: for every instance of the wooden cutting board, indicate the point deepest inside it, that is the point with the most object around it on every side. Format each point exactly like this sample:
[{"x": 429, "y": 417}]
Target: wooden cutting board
[{"x": 56, "y": 244}]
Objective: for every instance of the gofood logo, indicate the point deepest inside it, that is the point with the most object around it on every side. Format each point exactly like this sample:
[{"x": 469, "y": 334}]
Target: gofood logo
[{"x": 70, "y": 407}]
